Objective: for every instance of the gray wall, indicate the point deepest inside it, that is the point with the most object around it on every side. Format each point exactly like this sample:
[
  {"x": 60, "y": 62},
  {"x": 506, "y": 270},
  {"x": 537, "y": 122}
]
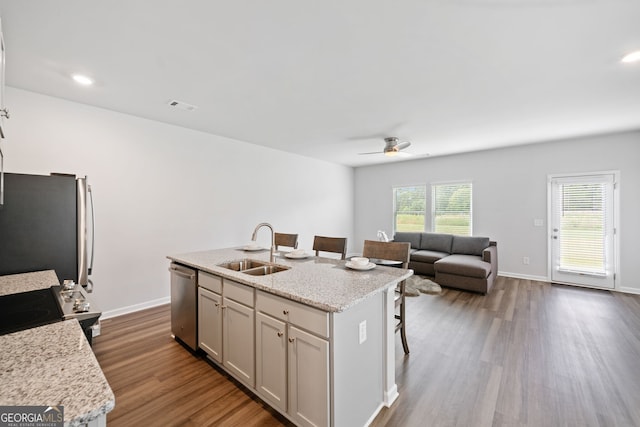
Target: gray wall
[
  {"x": 161, "y": 189},
  {"x": 509, "y": 192},
  {"x": 358, "y": 368}
]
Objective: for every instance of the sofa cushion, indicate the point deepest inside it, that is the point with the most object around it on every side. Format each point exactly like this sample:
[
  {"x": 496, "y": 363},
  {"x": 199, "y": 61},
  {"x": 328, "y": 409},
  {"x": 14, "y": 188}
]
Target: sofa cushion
[
  {"x": 430, "y": 257},
  {"x": 463, "y": 265},
  {"x": 436, "y": 242},
  {"x": 405, "y": 236},
  {"x": 466, "y": 245}
]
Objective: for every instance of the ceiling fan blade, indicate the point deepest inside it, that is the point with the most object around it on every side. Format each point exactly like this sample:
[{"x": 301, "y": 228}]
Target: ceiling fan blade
[
  {"x": 403, "y": 145},
  {"x": 372, "y": 152}
]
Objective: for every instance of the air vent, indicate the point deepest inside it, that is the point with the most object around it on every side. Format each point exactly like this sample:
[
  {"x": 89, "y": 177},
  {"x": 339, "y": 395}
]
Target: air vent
[{"x": 182, "y": 105}]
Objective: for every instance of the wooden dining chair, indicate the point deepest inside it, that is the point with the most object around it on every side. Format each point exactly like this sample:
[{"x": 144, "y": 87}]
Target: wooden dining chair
[
  {"x": 336, "y": 245},
  {"x": 393, "y": 251},
  {"x": 284, "y": 239}
]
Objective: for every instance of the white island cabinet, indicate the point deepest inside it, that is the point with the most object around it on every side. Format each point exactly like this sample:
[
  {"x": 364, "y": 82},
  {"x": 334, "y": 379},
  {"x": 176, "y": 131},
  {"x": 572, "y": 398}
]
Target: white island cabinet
[
  {"x": 292, "y": 343},
  {"x": 316, "y": 341},
  {"x": 226, "y": 325}
]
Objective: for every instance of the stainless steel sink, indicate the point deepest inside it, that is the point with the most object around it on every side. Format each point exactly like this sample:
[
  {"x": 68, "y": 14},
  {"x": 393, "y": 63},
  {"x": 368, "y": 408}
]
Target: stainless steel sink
[
  {"x": 253, "y": 267},
  {"x": 243, "y": 264},
  {"x": 265, "y": 269}
]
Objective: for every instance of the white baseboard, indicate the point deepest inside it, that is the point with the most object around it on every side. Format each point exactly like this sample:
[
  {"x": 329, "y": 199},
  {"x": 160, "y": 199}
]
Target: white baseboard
[
  {"x": 523, "y": 276},
  {"x": 136, "y": 307},
  {"x": 629, "y": 290},
  {"x": 622, "y": 289}
]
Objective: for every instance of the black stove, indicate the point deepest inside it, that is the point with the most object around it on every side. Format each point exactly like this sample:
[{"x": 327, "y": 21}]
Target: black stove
[
  {"x": 28, "y": 310},
  {"x": 31, "y": 309}
]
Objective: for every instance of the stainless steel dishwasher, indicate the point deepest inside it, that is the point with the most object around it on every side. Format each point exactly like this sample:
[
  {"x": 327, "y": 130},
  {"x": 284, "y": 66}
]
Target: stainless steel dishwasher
[{"x": 184, "y": 304}]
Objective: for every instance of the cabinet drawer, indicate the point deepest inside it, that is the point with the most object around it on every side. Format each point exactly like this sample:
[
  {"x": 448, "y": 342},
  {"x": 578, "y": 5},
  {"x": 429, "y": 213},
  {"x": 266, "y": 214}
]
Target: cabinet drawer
[
  {"x": 238, "y": 292},
  {"x": 309, "y": 318},
  {"x": 209, "y": 281}
]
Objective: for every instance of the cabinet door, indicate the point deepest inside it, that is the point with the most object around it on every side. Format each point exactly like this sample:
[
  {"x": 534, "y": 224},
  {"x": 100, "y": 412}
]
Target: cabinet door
[
  {"x": 210, "y": 323},
  {"x": 308, "y": 378},
  {"x": 271, "y": 360},
  {"x": 238, "y": 350}
]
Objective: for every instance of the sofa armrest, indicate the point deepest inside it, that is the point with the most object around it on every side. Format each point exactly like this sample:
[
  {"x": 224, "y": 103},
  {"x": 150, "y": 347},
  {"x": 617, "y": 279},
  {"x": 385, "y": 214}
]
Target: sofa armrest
[{"x": 490, "y": 255}]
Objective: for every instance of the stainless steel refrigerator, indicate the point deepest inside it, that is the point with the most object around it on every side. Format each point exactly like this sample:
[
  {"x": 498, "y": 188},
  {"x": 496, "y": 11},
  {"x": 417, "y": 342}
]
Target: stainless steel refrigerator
[{"x": 46, "y": 223}]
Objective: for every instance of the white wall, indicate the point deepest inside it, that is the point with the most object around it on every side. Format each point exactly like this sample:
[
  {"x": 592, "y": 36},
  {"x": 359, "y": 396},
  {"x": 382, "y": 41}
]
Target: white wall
[
  {"x": 510, "y": 191},
  {"x": 161, "y": 189}
]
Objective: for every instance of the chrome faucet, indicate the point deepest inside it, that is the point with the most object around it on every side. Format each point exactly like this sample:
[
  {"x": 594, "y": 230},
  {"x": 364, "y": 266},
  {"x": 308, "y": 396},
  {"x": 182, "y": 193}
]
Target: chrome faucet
[{"x": 255, "y": 233}]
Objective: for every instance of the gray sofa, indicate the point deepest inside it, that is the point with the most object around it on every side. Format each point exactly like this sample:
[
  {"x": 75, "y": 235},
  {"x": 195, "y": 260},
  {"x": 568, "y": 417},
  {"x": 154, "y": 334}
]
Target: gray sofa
[{"x": 469, "y": 263}]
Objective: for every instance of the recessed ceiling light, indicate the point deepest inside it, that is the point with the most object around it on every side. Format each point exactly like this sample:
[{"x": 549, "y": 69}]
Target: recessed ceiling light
[
  {"x": 83, "y": 80},
  {"x": 631, "y": 57}
]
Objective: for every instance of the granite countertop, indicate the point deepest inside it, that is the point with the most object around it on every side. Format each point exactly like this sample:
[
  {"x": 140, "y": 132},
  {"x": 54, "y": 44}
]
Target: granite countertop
[
  {"x": 324, "y": 283},
  {"x": 51, "y": 364},
  {"x": 25, "y": 282},
  {"x": 54, "y": 365}
]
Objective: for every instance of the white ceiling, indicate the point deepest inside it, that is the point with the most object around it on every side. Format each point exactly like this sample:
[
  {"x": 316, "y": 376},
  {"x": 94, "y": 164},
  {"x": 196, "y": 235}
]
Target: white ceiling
[{"x": 329, "y": 79}]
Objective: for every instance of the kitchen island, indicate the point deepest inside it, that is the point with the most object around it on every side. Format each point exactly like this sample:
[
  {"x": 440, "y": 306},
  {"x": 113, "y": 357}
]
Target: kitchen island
[
  {"x": 315, "y": 341},
  {"x": 52, "y": 365}
]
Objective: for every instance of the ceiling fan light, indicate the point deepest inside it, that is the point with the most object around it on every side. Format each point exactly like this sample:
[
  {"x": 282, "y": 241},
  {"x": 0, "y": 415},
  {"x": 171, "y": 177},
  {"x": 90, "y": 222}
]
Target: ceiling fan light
[
  {"x": 82, "y": 80},
  {"x": 631, "y": 57},
  {"x": 391, "y": 153}
]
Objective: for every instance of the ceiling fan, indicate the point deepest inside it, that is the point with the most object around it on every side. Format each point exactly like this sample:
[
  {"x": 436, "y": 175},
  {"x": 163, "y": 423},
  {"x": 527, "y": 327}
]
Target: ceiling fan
[{"x": 392, "y": 147}]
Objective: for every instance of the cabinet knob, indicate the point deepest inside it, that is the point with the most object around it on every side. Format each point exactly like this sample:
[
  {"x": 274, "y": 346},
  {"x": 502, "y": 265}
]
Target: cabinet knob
[
  {"x": 280, "y": 333},
  {"x": 292, "y": 339},
  {"x": 285, "y": 312}
]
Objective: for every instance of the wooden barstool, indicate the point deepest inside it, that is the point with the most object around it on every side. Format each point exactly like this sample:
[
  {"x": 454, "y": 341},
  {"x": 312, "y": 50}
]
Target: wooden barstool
[
  {"x": 284, "y": 239},
  {"x": 336, "y": 245},
  {"x": 393, "y": 251}
]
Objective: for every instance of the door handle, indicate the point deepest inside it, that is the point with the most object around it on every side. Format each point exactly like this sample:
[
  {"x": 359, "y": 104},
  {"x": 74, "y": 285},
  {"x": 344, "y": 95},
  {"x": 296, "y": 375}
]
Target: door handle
[{"x": 183, "y": 274}]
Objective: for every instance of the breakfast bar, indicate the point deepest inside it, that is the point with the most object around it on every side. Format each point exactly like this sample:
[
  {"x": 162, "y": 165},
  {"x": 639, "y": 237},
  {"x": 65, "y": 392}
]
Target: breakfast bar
[{"x": 319, "y": 338}]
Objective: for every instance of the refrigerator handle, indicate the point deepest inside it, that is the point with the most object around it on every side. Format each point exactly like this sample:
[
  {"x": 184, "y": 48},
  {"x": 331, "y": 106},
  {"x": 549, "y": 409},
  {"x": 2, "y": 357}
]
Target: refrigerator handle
[{"x": 93, "y": 235}]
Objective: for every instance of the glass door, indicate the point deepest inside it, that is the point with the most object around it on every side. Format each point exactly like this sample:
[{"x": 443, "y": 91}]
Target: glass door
[{"x": 582, "y": 230}]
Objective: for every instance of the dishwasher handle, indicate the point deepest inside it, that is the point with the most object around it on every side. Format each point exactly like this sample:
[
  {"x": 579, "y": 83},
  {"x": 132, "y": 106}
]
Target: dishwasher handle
[{"x": 188, "y": 273}]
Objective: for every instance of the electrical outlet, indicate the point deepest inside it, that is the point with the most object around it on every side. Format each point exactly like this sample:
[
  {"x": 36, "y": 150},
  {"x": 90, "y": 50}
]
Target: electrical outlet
[
  {"x": 363, "y": 331},
  {"x": 95, "y": 329},
  {"x": 525, "y": 260}
]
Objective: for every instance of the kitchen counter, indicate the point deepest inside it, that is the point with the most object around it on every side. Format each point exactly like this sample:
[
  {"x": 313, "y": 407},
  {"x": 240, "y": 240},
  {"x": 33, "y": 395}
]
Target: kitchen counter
[
  {"x": 330, "y": 327},
  {"x": 323, "y": 283},
  {"x": 52, "y": 364},
  {"x": 25, "y": 282}
]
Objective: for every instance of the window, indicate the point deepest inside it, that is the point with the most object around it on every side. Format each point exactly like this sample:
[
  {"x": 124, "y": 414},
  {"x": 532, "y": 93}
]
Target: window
[
  {"x": 451, "y": 208},
  {"x": 409, "y": 208}
]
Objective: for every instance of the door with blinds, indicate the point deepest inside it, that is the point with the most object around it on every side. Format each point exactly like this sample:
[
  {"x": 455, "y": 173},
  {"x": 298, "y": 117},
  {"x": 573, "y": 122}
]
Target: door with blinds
[{"x": 583, "y": 230}]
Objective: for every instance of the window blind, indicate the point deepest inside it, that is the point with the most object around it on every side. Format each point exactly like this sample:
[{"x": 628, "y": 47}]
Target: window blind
[
  {"x": 410, "y": 206},
  {"x": 451, "y": 208},
  {"x": 583, "y": 224}
]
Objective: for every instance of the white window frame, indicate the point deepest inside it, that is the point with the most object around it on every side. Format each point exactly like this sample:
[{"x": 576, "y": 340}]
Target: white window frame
[
  {"x": 395, "y": 212},
  {"x": 434, "y": 204}
]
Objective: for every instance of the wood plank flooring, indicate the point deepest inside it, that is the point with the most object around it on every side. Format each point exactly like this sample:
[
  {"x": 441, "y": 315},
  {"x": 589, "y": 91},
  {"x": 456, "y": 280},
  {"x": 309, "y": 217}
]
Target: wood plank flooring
[
  {"x": 158, "y": 382},
  {"x": 529, "y": 354}
]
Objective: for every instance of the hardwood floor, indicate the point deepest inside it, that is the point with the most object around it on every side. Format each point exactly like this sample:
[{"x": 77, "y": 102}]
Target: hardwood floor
[
  {"x": 528, "y": 354},
  {"x": 158, "y": 382}
]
